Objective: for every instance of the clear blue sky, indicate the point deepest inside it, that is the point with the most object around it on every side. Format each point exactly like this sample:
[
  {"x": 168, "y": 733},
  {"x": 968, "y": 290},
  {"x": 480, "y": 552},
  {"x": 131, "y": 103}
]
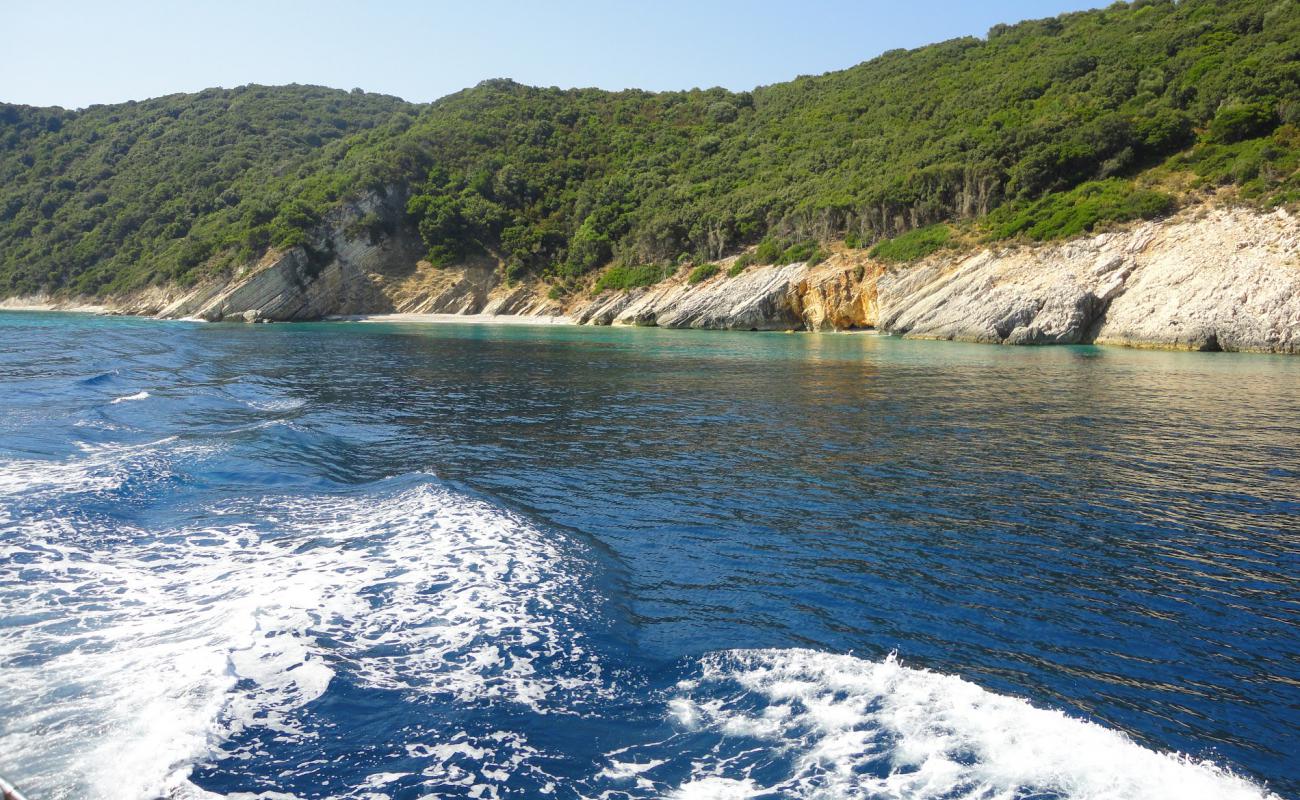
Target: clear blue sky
[{"x": 75, "y": 53}]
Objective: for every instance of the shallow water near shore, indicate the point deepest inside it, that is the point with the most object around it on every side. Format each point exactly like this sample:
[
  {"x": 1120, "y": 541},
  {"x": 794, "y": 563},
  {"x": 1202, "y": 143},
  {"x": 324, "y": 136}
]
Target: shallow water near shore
[{"x": 388, "y": 560}]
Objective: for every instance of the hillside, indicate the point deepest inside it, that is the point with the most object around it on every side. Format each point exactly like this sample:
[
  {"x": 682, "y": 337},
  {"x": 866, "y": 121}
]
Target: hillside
[
  {"x": 1042, "y": 130},
  {"x": 125, "y": 195}
]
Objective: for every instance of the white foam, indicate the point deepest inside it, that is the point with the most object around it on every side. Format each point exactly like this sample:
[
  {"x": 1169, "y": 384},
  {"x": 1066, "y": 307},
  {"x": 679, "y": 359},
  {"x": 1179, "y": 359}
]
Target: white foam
[
  {"x": 382, "y": 779},
  {"x": 619, "y": 770},
  {"x": 130, "y": 397},
  {"x": 482, "y": 765},
  {"x": 123, "y": 663},
  {"x": 127, "y": 663},
  {"x": 856, "y": 728},
  {"x": 98, "y": 468},
  {"x": 715, "y": 788}
]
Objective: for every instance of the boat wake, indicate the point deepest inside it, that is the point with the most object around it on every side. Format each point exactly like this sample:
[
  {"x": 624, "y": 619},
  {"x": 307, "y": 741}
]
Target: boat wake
[
  {"x": 130, "y": 655},
  {"x": 134, "y": 656},
  {"x": 800, "y": 723}
]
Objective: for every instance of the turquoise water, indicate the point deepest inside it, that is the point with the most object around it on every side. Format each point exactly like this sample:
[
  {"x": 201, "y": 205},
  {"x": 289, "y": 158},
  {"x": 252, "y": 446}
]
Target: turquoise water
[{"x": 399, "y": 561}]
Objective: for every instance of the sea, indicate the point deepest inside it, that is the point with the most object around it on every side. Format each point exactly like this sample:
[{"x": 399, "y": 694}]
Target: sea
[{"x": 389, "y": 560}]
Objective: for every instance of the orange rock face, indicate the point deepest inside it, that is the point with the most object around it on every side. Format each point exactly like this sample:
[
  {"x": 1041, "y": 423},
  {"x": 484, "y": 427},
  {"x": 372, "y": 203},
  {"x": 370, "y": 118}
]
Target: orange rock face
[{"x": 839, "y": 294}]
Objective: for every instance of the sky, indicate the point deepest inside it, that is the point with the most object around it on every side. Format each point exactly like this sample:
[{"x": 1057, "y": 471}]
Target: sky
[{"x": 74, "y": 53}]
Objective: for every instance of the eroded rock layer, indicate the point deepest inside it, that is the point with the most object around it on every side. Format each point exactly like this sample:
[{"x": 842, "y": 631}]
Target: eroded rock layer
[{"x": 1207, "y": 279}]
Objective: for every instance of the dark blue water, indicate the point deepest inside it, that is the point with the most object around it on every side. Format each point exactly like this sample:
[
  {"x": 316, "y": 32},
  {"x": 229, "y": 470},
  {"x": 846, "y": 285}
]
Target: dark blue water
[{"x": 383, "y": 561}]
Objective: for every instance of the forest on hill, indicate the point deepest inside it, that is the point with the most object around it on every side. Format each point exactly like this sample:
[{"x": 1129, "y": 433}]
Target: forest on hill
[{"x": 1042, "y": 129}]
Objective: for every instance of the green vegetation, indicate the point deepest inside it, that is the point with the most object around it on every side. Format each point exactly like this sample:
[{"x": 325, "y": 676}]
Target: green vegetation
[
  {"x": 1266, "y": 169},
  {"x": 914, "y": 244},
  {"x": 630, "y": 277},
  {"x": 702, "y": 273},
  {"x": 1081, "y": 109},
  {"x": 808, "y": 251},
  {"x": 773, "y": 250},
  {"x": 119, "y": 196},
  {"x": 1241, "y": 121},
  {"x": 1080, "y": 210}
]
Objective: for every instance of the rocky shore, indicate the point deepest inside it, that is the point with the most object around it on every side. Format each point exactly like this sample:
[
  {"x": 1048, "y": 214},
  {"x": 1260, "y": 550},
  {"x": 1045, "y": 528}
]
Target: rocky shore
[{"x": 1206, "y": 279}]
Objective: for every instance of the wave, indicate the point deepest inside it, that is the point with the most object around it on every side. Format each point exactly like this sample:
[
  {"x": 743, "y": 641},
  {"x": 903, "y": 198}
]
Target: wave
[
  {"x": 130, "y": 397},
  {"x": 99, "y": 468},
  {"x": 801, "y": 723},
  {"x": 100, "y": 379},
  {"x": 260, "y": 397},
  {"x": 129, "y": 655},
  {"x": 125, "y": 665}
]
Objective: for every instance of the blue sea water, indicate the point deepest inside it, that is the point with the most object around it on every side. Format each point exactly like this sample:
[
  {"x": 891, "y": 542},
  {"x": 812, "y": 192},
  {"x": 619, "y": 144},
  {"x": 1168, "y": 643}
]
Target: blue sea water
[{"x": 374, "y": 561}]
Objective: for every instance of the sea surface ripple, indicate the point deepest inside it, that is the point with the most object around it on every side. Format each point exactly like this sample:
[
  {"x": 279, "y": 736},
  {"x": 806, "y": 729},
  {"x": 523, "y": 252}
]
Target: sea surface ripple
[{"x": 397, "y": 561}]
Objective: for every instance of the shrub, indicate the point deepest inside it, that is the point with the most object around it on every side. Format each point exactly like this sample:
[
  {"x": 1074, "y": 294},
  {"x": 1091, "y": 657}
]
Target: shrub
[
  {"x": 702, "y": 273},
  {"x": 914, "y": 244},
  {"x": 781, "y": 251},
  {"x": 1082, "y": 209},
  {"x": 1164, "y": 131},
  {"x": 194, "y": 252},
  {"x": 622, "y": 277},
  {"x": 808, "y": 251},
  {"x": 722, "y": 112},
  {"x": 514, "y": 270},
  {"x": 1242, "y": 121},
  {"x": 1267, "y": 169},
  {"x": 768, "y": 251},
  {"x": 371, "y": 225}
]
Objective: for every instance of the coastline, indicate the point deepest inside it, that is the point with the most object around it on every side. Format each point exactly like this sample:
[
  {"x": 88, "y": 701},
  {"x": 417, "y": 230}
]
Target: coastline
[
  {"x": 1208, "y": 279},
  {"x": 457, "y": 319},
  {"x": 549, "y": 321},
  {"x": 29, "y": 304}
]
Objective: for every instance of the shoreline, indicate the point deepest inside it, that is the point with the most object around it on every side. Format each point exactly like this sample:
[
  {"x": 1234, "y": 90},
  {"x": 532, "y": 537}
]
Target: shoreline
[
  {"x": 81, "y": 308},
  {"x": 458, "y": 319},
  {"x": 1208, "y": 279},
  {"x": 546, "y": 321}
]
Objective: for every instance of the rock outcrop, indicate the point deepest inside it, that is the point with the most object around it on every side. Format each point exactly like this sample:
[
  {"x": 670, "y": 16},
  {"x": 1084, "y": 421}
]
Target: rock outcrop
[
  {"x": 1206, "y": 279},
  {"x": 758, "y": 299},
  {"x": 839, "y": 295},
  {"x": 345, "y": 268},
  {"x": 349, "y": 268},
  {"x": 1053, "y": 295},
  {"x": 1229, "y": 281}
]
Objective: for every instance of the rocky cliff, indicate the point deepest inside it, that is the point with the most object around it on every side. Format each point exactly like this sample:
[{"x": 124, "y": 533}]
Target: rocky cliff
[
  {"x": 346, "y": 268},
  {"x": 1206, "y": 279},
  {"x": 364, "y": 258}
]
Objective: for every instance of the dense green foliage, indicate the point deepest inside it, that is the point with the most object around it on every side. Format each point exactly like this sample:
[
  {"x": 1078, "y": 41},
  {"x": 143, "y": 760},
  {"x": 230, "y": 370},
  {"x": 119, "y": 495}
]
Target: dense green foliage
[
  {"x": 621, "y": 276},
  {"x": 1079, "y": 210},
  {"x": 777, "y": 250},
  {"x": 914, "y": 244},
  {"x": 117, "y": 196},
  {"x": 702, "y": 273},
  {"x": 1265, "y": 169},
  {"x": 1046, "y": 122}
]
